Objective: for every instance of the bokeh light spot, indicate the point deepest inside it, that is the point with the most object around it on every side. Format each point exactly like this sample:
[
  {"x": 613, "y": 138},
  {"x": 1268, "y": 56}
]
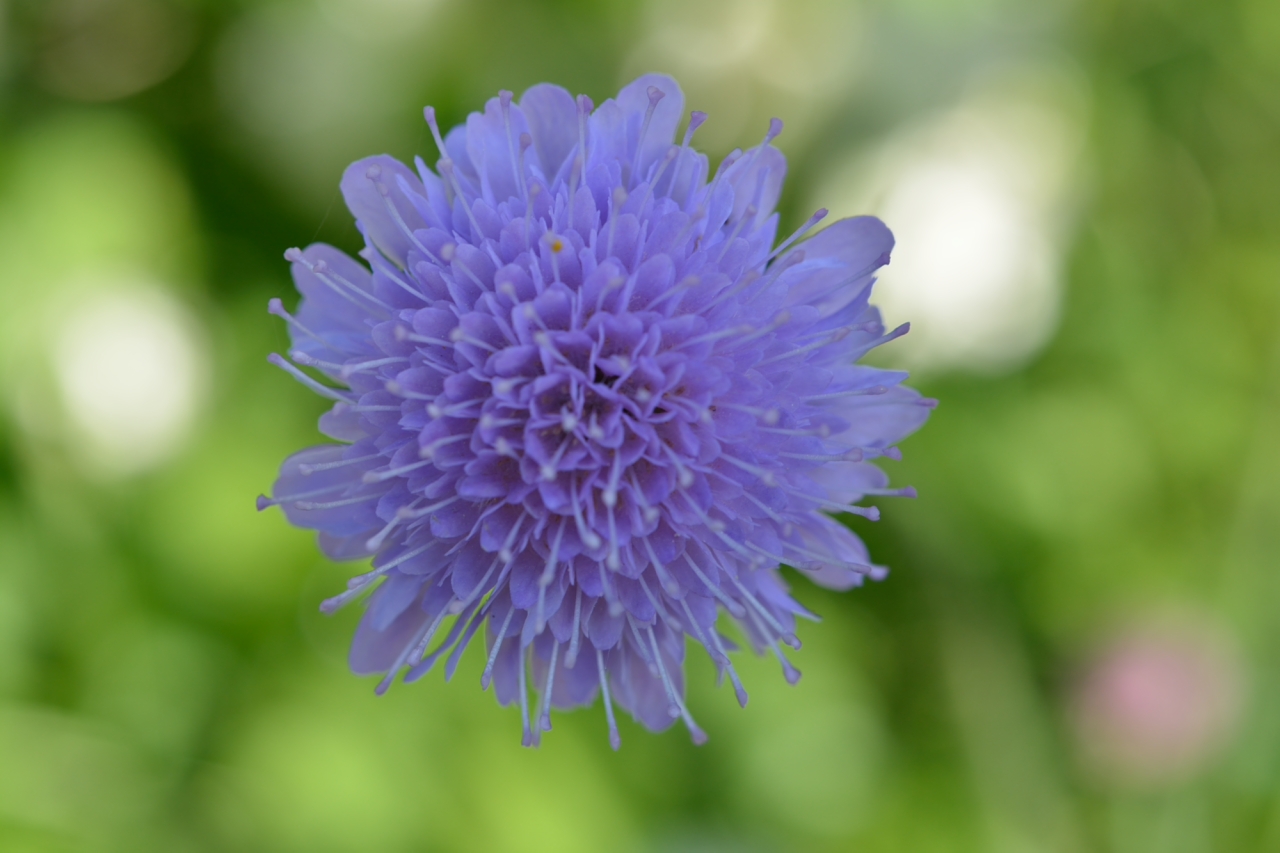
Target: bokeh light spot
[{"x": 131, "y": 370}]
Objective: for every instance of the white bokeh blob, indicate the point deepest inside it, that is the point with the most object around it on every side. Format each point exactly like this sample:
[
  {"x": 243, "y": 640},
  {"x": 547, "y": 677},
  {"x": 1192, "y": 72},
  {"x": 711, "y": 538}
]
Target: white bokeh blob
[
  {"x": 979, "y": 200},
  {"x": 131, "y": 370}
]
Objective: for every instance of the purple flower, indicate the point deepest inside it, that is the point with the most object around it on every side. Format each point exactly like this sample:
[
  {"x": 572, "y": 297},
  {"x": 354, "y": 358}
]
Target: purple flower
[{"x": 588, "y": 404}]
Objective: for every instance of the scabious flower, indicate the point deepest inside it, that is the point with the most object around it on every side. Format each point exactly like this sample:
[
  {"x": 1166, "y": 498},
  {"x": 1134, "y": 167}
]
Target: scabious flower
[{"x": 587, "y": 403}]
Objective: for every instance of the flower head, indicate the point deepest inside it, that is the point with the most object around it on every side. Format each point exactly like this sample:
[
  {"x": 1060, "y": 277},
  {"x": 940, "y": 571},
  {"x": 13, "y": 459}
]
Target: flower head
[{"x": 588, "y": 404}]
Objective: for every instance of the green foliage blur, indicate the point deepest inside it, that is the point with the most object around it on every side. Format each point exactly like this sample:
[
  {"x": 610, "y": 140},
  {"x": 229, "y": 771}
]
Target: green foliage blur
[{"x": 1108, "y": 498}]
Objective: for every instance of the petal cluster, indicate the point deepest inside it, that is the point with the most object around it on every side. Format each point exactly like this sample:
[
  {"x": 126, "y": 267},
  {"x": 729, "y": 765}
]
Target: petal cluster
[{"x": 584, "y": 402}]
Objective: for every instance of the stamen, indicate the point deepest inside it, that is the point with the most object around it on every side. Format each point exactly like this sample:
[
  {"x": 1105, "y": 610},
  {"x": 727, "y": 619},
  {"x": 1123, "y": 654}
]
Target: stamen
[
  {"x": 660, "y": 608},
  {"x": 389, "y": 270},
  {"x": 821, "y": 431},
  {"x": 501, "y": 637},
  {"x": 829, "y": 559},
  {"x": 854, "y": 455},
  {"x": 767, "y": 477},
  {"x": 505, "y": 552},
  {"x": 323, "y": 390},
  {"x": 344, "y": 407},
  {"x": 669, "y": 585},
  {"x": 765, "y": 507},
  {"x": 589, "y": 537},
  {"x": 696, "y": 118},
  {"x": 374, "y": 542},
  {"x": 402, "y": 333},
  {"x": 580, "y": 156},
  {"x": 610, "y": 594},
  {"x": 616, "y": 200},
  {"x": 748, "y": 215},
  {"x": 451, "y": 665},
  {"x": 406, "y": 514},
  {"x": 379, "y": 476},
  {"x": 683, "y": 475},
  {"x": 735, "y": 608},
  {"x": 429, "y": 451},
  {"x": 526, "y": 738},
  {"x": 312, "y": 505},
  {"x": 769, "y": 416},
  {"x": 364, "y": 579},
  {"x": 835, "y": 337},
  {"x": 339, "y": 285},
  {"x": 655, "y": 95},
  {"x": 868, "y": 512},
  {"x": 571, "y": 658},
  {"x": 681, "y": 287},
  {"x": 428, "y": 663},
  {"x": 697, "y": 734},
  {"x": 466, "y": 269},
  {"x": 873, "y": 391},
  {"x": 264, "y": 502},
  {"x": 276, "y": 307},
  {"x": 615, "y": 740},
  {"x": 386, "y": 682},
  {"x": 458, "y": 335},
  {"x": 612, "y": 560},
  {"x": 400, "y": 223},
  {"x": 549, "y": 573},
  {"x": 789, "y": 672},
  {"x": 556, "y": 245},
  {"x": 480, "y": 587},
  {"x": 819, "y": 215},
  {"x": 709, "y": 337},
  {"x": 609, "y": 286},
  {"x": 787, "y": 636},
  {"x": 650, "y": 513},
  {"x": 359, "y": 583},
  {"x": 544, "y": 712},
  {"x": 342, "y": 463},
  {"x": 504, "y": 98},
  {"x": 775, "y": 128},
  {"x": 717, "y": 654}
]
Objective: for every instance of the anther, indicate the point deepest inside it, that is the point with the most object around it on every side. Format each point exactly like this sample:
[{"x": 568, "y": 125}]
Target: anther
[{"x": 696, "y": 120}]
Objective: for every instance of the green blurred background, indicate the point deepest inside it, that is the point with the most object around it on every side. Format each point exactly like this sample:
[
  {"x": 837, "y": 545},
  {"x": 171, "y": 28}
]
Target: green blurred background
[{"x": 1078, "y": 648}]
